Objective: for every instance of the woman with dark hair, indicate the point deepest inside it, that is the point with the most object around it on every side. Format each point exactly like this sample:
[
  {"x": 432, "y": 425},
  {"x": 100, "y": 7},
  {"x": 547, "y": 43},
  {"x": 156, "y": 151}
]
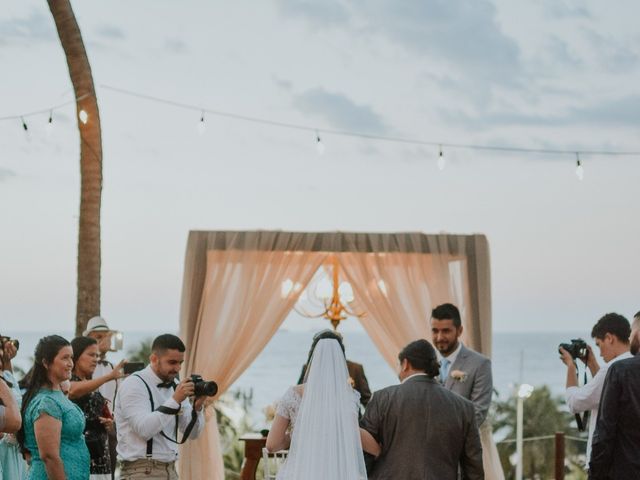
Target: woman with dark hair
[
  {"x": 318, "y": 420},
  {"x": 96, "y": 411},
  {"x": 12, "y": 465},
  {"x": 53, "y": 426}
]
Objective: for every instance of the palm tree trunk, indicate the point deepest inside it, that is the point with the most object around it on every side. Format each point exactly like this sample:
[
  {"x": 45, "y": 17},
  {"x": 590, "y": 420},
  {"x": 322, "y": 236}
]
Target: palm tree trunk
[{"x": 88, "y": 301}]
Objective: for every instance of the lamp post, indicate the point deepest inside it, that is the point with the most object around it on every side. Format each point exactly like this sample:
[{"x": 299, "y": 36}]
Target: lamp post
[{"x": 524, "y": 392}]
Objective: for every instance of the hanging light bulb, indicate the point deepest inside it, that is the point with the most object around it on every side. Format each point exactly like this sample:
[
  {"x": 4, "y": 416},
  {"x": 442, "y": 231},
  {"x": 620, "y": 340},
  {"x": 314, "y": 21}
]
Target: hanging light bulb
[
  {"x": 201, "y": 125},
  {"x": 49, "y": 126},
  {"x": 24, "y": 125},
  {"x": 84, "y": 116},
  {"x": 441, "y": 160},
  {"x": 319, "y": 144},
  {"x": 579, "y": 168}
]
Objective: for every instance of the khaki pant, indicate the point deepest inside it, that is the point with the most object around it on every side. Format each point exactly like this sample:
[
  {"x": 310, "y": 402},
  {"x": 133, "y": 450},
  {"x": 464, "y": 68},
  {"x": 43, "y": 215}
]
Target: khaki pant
[{"x": 148, "y": 470}]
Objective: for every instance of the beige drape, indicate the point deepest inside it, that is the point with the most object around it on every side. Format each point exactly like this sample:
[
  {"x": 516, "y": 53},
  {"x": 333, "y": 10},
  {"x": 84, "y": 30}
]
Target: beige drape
[
  {"x": 398, "y": 292},
  {"x": 242, "y": 306},
  {"x": 232, "y": 299}
]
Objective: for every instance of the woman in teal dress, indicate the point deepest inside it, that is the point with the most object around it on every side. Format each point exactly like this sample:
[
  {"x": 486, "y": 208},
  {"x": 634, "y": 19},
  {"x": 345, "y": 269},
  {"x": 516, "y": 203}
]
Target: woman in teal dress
[
  {"x": 50, "y": 419},
  {"x": 12, "y": 465}
]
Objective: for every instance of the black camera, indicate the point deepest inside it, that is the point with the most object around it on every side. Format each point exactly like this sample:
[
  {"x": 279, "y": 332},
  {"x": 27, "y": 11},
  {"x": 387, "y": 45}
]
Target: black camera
[
  {"x": 577, "y": 348},
  {"x": 12, "y": 341},
  {"x": 203, "y": 388}
]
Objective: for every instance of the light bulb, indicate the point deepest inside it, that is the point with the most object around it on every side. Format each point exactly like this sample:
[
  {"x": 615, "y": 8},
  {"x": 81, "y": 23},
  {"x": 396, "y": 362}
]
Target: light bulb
[
  {"x": 49, "y": 126},
  {"x": 441, "y": 161},
  {"x": 201, "y": 125},
  {"x": 346, "y": 292},
  {"x": 84, "y": 116},
  {"x": 579, "y": 170},
  {"x": 319, "y": 145},
  {"x": 524, "y": 391}
]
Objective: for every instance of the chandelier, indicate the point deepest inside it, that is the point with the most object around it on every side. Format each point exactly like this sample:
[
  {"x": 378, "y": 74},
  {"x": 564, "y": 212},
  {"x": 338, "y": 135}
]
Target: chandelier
[{"x": 331, "y": 295}]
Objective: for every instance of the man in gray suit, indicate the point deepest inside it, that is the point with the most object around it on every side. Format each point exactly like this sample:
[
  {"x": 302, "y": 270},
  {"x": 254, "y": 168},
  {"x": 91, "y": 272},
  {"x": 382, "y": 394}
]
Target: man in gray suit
[
  {"x": 425, "y": 431},
  {"x": 462, "y": 370}
]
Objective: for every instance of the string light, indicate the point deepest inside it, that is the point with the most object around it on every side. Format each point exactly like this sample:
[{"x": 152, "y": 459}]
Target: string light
[
  {"x": 49, "y": 126},
  {"x": 84, "y": 117},
  {"x": 201, "y": 125},
  {"x": 579, "y": 167},
  {"x": 319, "y": 144},
  {"x": 441, "y": 160}
]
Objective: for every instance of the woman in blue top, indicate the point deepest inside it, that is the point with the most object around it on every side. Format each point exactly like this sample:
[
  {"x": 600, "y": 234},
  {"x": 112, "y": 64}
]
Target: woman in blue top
[
  {"x": 12, "y": 465},
  {"x": 53, "y": 426}
]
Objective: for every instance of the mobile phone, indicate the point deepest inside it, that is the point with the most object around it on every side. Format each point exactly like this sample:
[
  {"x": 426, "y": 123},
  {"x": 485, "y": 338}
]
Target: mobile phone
[
  {"x": 131, "y": 367},
  {"x": 116, "y": 341}
]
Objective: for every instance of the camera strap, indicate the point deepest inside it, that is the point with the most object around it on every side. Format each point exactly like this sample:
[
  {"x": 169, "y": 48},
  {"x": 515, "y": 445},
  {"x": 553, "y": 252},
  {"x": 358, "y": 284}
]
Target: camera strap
[
  {"x": 168, "y": 411},
  {"x": 582, "y": 420}
]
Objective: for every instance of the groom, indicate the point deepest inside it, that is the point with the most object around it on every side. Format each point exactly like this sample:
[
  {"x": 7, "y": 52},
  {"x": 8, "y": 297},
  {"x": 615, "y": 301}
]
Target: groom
[
  {"x": 425, "y": 431},
  {"x": 462, "y": 370}
]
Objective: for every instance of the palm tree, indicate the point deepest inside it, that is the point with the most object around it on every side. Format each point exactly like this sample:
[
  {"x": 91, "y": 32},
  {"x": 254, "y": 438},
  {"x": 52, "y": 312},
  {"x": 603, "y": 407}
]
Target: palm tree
[
  {"x": 545, "y": 414},
  {"x": 88, "y": 118}
]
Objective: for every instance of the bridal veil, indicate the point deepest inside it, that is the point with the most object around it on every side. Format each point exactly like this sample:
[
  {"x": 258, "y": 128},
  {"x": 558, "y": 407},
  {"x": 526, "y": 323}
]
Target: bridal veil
[{"x": 326, "y": 438}]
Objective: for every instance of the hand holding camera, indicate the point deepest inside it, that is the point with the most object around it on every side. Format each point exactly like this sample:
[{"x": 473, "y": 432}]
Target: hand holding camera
[
  {"x": 577, "y": 348},
  {"x": 194, "y": 386}
]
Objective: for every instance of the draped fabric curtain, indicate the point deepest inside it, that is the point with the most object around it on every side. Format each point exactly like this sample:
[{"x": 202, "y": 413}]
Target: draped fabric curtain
[
  {"x": 240, "y": 286},
  {"x": 397, "y": 291},
  {"x": 245, "y": 297}
]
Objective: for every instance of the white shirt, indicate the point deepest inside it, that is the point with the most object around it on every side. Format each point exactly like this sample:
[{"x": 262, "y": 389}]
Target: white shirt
[
  {"x": 414, "y": 375},
  {"x": 587, "y": 397},
  {"x": 136, "y": 422},
  {"x": 107, "y": 390}
]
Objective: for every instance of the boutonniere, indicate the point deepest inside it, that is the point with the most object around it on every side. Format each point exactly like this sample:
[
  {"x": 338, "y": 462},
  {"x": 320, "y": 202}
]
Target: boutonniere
[{"x": 459, "y": 375}]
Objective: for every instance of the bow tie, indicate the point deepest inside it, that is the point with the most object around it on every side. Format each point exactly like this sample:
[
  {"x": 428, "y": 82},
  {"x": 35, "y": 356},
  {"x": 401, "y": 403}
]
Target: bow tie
[{"x": 167, "y": 385}]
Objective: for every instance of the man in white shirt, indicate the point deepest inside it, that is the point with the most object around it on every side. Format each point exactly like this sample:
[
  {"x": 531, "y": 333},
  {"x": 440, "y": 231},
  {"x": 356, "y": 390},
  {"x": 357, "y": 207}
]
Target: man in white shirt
[
  {"x": 97, "y": 328},
  {"x": 611, "y": 335},
  {"x": 151, "y": 407}
]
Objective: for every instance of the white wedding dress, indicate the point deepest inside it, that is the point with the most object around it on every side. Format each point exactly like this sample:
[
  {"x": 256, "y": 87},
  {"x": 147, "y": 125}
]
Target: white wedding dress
[{"x": 325, "y": 442}]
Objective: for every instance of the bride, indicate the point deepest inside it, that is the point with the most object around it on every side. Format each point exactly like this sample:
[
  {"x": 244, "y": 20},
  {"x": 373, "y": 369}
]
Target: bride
[{"x": 318, "y": 420}]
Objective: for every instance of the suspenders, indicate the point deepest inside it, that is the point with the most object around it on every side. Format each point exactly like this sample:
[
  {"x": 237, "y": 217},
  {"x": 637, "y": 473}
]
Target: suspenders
[{"x": 168, "y": 411}]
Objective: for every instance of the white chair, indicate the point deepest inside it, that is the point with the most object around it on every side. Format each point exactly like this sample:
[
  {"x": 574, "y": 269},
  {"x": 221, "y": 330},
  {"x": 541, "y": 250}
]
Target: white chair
[{"x": 273, "y": 462}]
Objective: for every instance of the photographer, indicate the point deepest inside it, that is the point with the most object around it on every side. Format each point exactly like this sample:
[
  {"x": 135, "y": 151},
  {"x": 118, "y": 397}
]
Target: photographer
[
  {"x": 10, "y": 420},
  {"x": 150, "y": 408},
  {"x": 611, "y": 335}
]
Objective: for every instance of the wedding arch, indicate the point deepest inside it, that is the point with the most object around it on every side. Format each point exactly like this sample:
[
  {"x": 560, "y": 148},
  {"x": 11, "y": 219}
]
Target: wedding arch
[{"x": 233, "y": 300}]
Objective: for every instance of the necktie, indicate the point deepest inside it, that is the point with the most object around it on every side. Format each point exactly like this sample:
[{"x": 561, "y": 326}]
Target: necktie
[
  {"x": 444, "y": 369},
  {"x": 167, "y": 385}
]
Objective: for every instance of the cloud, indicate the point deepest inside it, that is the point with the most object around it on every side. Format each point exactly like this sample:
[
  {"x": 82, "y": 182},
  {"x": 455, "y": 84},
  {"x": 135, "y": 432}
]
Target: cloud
[
  {"x": 561, "y": 54},
  {"x": 35, "y": 28},
  {"x": 317, "y": 13},
  {"x": 175, "y": 45},
  {"x": 619, "y": 112},
  {"x": 283, "y": 84},
  {"x": 6, "y": 174},
  {"x": 462, "y": 37},
  {"x": 561, "y": 9},
  {"x": 611, "y": 53},
  {"x": 340, "y": 111},
  {"x": 465, "y": 34},
  {"x": 110, "y": 31}
]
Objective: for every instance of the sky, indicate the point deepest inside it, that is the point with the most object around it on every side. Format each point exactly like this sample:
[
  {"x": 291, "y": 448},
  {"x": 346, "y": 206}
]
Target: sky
[{"x": 551, "y": 74}]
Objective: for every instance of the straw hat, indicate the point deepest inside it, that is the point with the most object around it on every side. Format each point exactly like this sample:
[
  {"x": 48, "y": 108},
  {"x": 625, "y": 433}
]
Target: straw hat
[{"x": 96, "y": 324}]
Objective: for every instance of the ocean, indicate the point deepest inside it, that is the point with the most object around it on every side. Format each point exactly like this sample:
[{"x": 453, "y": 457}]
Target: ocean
[{"x": 517, "y": 358}]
